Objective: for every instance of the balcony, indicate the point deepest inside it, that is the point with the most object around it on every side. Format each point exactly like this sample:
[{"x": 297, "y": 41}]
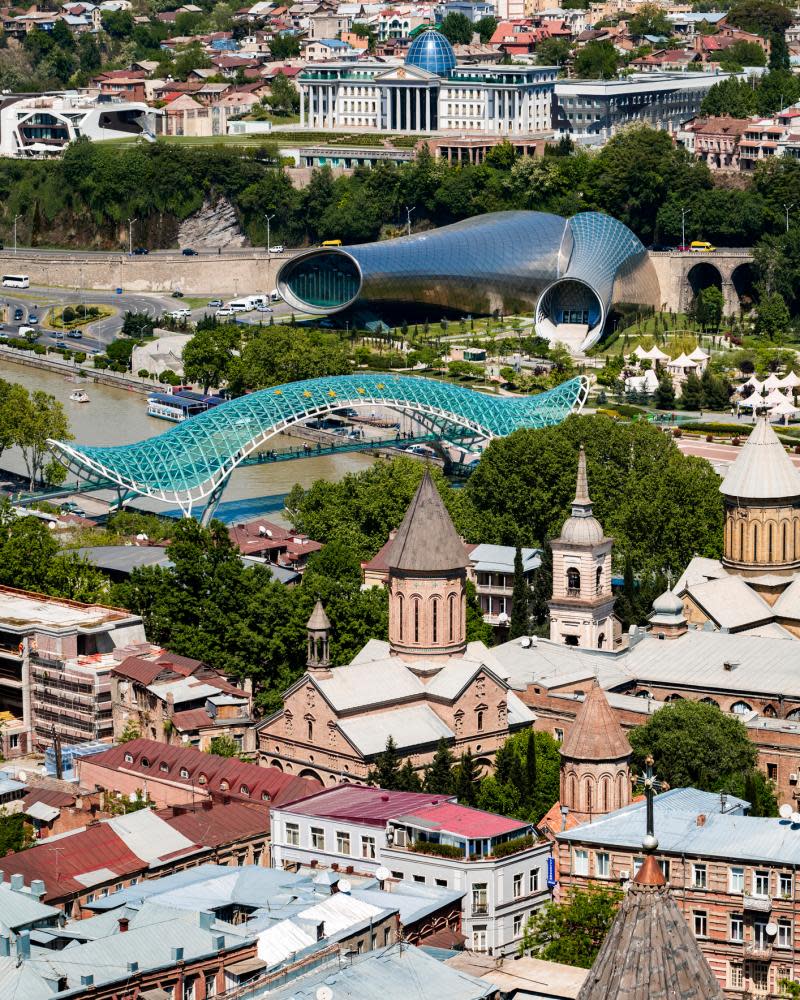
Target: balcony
[
  {"x": 479, "y": 909},
  {"x": 758, "y": 950},
  {"x": 573, "y": 591},
  {"x": 757, "y": 904}
]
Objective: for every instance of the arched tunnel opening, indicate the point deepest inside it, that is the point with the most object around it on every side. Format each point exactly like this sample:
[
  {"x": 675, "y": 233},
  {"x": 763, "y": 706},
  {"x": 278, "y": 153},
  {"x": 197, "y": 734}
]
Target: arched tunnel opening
[
  {"x": 744, "y": 284},
  {"x": 703, "y": 275}
]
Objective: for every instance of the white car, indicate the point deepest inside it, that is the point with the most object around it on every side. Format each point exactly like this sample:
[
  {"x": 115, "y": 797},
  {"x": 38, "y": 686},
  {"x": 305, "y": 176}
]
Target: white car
[
  {"x": 181, "y": 313},
  {"x": 278, "y": 248},
  {"x": 224, "y": 311}
]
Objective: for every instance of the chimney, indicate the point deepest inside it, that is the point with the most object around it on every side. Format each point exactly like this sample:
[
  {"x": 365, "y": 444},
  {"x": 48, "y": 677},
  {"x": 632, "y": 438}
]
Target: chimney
[
  {"x": 123, "y": 924},
  {"x": 133, "y": 966},
  {"x": 37, "y": 889},
  {"x": 218, "y": 942},
  {"x": 24, "y": 944},
  {"x": 17, "y": 883},
  {"x": 701, "y": 819},
  {"x": 205, "y": 918},
  {"x": 5, "y": 945}
]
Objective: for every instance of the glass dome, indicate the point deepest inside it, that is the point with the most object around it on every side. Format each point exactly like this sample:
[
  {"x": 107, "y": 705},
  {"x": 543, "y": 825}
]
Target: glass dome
[{"x": 431, "y": 51}]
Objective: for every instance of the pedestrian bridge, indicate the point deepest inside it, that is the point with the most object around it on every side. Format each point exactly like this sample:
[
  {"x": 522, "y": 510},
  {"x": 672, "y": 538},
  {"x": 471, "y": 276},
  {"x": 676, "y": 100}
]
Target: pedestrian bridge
[{"x": 190, "y": 464}]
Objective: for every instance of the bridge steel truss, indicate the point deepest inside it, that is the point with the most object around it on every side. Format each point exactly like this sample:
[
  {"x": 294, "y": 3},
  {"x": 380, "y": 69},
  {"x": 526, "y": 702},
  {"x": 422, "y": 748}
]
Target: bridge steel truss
[{"x": 191, "y": 463}]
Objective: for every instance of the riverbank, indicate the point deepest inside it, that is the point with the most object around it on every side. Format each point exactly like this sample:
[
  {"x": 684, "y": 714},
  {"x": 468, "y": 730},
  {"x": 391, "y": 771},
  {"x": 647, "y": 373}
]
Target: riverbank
[{"x": 60, "y": 366}]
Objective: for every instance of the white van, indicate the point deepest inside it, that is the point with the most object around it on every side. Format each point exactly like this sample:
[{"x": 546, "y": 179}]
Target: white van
[
  {"x": 275, "y": 295},
  {"x": 240, "y": 306}
]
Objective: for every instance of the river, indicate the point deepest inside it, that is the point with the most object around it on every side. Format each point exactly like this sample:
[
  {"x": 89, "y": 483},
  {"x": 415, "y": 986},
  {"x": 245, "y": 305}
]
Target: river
[{"x": 116, "y": 416}]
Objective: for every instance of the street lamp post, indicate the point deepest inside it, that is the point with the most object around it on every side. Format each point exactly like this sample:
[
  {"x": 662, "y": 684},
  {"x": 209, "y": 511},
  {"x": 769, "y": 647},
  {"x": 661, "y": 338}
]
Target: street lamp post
[
  {"x": 684, "y": 213},
  {"x": 269, "y": 219},
  {"x": 409, "y": 210},
  {"x": 15, "y": 231},
  {"x": 130, "y": 236},
  {"x": 787, "y": 209}
]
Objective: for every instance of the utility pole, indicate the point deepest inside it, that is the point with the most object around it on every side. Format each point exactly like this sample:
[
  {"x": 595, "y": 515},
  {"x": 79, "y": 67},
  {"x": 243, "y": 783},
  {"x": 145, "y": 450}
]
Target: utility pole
[
  {"x": 409, "y": 210},
  {"x": 130, "y": 236},
  {"x": 15, "y": 231},
  {"x": 684, "y": 213},
  {"x": 787, "y": 209},
  {"x": 269, "y": 219}
]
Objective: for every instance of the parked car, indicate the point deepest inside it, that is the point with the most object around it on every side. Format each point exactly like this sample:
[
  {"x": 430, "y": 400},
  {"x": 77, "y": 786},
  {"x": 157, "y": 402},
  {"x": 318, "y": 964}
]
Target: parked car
[
  {"x": 188, "y": 252},
  {"x": 660, "y": 248},
  {"x": 72, "y": 508},
  {"x": 683, "y": 248},
  {"x": 180, "y": 313},
  {"x": 19, "y": 315},
  {"x": 264, "y": 309},
  {"x": 33, "y": 318},
  {"x": 177, "y": 294},
  {"x": 225, "y": 311},
  {"x": 278, "y": 248},
  {"x": 140, "y": 251},
  {"x": 215, "y": 304},
  {"x": 75, "y": 334}
]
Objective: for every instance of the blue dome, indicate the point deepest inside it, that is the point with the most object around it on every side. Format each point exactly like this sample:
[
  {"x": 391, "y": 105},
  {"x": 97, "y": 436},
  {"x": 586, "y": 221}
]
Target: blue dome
[{"x": 431, "y": 51}]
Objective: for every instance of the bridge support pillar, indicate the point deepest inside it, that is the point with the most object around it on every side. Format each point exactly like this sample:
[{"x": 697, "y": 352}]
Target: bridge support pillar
[
  {"x": 730, "y": 299},
  {"x": 214, "y": 498}
]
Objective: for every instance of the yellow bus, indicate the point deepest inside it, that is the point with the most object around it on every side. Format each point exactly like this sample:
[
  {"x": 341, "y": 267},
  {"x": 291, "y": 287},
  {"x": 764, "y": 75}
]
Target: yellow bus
[{"x": 701, "y": 246}]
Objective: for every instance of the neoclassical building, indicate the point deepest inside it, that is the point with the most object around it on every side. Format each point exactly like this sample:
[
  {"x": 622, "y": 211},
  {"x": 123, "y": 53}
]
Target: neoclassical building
[
  {"x": 426, "y": 683},
  {"x": 582, "y": 605},
  {"x": 428, "y": 93}
]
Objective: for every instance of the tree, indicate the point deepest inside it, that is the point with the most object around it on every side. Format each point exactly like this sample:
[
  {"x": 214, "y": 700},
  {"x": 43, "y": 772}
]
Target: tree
[
  {"x": 130, "y": 732},
  {"x": 457, "y": 28},
  {"x": 118, "y": 23},
  {"x": 89, "y": 58},
  {"x": 650, "y": 19},
  {"x": 573, "y": 931},
  {"x": 597, "y": 61},
  {"x": 224, "y": 746},
  {"x": 486, "y": 27},
  {"x": 387, "y": 767},
  {"x": 553, "y": 51},
  {"x": 731, "y": 96},
  {"x": 763, "y": 17},
  {"x": 743, "y": 53},
  {"x": 39, "y": 417},
  {"x": 707, "y": 307},
  {"x": 284, "y": 46},
  {"x": 772, "y": 318},
  {"x": 542, "y": 591},
  {"x": 692, "y": 394},
  {"x": 520, "y": 600},
  {"x": 16, "y": 834},
  {"x": 665, "y": 393},
  {"x": 207, "y": 357},
  {"x": 407, "y": 778},
  {"x": 465, "y": 780},
  {"x": 439, "y": 773},
  {"x": 284, "y": 98},
  {"x": 694, "y": 744},
  {"x": 137, "y": 325}
]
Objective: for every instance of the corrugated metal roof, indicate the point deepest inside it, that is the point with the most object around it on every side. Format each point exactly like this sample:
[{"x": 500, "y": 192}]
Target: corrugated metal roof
[
  {"x": 362, "y": 804},
  {"x": 417, "y": 725},
  {"x": 222, "y": 824},
  {"x": 17, "y": 909},
  {"x": 148, "y": 836},
  {"x": 463, "y": 821}
]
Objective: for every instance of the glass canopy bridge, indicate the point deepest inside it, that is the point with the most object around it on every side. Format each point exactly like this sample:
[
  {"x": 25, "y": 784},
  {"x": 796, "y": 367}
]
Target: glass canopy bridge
[{"x": 190, "y": 465}]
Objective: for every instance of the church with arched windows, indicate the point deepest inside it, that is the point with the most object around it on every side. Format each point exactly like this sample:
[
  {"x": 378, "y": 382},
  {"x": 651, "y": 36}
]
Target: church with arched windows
[{"x": 425, "y": 684}]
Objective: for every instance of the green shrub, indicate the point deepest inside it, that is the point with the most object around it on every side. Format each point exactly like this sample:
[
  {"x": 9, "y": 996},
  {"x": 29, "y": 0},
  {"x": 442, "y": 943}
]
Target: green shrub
[
  {"x": 513, "y": 846},
  {"x": 443, "y": 850}
]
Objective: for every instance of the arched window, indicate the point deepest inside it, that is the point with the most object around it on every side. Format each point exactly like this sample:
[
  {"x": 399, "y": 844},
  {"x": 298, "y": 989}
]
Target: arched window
[
  {"x": 601, "y": 640},
  {"x": 573, "y": 581},
  {"x": 310, "y": 732},
  {"x": 480, "y": 722},
  {"x": 794, "y": 715},
  {"x": 741, "y": 540},
  {"x": 145, "y": 762},
  {"x": 435, "y": 619},
  {"x": 741, "y": 708},
  {"x": 784, "y": 544},
  {"x": 605, "y": 795},
  {"x": 588, "y": 793},
  {"x": 128, "y": 758},
  {"x": 598, "y": 582},
  {"x": 416, "y": 620},
  {"x": 769, "y": 712},
  {"x": 400, "y": 612},
  {"x": 244, "y": 790},
  {"x": 184, "y": 772},
  {"x": 709, "y": 701},
  {"x": 451, "y": 616},
  {"x": 164, "y": 766},
  {"x": 755, "y": 543},
  {"x": 573, "y": 792},
  {"x": 770, "y": 552},
  {"x": 202, "y": 779},
  {"x": 224, "y": 785}
]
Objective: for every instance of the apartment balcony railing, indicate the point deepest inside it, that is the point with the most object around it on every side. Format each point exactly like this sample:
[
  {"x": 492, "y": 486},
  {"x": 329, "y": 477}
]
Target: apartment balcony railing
[
  {"x": 757, "y": 904},
  {"x": 480, "y": 909},
  {"x": 761, "y": 950}
]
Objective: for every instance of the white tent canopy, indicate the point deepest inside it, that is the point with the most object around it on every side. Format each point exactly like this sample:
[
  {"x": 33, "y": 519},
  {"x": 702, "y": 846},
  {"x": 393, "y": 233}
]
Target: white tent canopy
[
  {"x": 789, "y": 381},
  {"x": 772, "y": 382},
  {"x": 775, "y": 398}
]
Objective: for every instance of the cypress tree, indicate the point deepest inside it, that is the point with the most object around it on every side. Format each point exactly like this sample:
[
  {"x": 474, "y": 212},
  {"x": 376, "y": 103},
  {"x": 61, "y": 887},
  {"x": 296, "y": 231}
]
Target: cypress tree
[
  {"x": 520, "y": 600},
  {"x": 408, "y": 779},
  {"x": 387, "y": 768},
  {"x": 530, "y": 766},
  {"x": 542, "y": 592},
  {"x": 439, "y": 774},
  {"x": 466, "y": 780}
]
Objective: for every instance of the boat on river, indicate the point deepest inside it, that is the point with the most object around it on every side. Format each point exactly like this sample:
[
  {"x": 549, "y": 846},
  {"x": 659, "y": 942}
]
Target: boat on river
[{"x": 79, "y": 396}]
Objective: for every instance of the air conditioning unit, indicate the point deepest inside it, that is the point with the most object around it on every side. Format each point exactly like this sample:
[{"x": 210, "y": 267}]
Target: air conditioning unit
[
  {"x": 400, "y": 837},
  {"x": 793, "y": 778},
  {"x": 624, "y": 875}
]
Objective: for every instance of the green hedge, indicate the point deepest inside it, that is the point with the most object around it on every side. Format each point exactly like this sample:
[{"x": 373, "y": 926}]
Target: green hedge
[
  {"x": 739, "y": 430},
  {"x": 513, "y": 846},
  {"x": 443, "y": 850}
]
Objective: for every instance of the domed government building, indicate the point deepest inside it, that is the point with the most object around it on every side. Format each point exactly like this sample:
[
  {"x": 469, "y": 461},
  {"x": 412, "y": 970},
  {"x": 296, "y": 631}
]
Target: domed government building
[{"x": 428, "y": 93}]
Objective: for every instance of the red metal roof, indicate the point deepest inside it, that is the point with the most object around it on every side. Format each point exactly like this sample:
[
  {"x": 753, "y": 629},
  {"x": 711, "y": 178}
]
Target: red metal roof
[
  {"x": 364, "y": 804},
  {"x": 192, "y": 718},
  {"x": 214, "y": 825},
  {"x": 450, "y": 817},
  {"x": 267, "y": 784}
]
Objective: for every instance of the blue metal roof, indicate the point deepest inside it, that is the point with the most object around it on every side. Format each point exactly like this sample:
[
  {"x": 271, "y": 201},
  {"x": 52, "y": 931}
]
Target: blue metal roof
[{"x": 432, "y": 52}]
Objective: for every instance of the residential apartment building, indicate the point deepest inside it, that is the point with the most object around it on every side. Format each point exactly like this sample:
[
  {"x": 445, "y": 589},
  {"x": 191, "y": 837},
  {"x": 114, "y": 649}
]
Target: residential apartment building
[
  {"x": 186, "y": 116},
  {"x": 600, "y": 107},
  {"x": 714, "y": 140},
  {"x": 497, "y": 864},
  {"x": 493, "y": 572},
  {"x": 733, "y": 877},
  {"x": 55, "y": 663},
  {"x": 760, "y": 141}
]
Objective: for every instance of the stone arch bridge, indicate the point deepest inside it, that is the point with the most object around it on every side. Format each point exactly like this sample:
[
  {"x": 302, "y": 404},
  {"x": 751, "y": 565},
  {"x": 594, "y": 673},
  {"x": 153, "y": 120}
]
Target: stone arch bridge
[{"x": 682, "y": 275}]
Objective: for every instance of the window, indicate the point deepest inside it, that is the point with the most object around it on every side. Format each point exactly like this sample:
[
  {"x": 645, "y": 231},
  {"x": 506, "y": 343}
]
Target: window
[
  {"x": 13, "y": 741},
  {"x": 772, "y": 772},
  {"x": 559, "y": 735},
  {"x": 185, "y": 774},
  {"x": 211, "y": 984},
  {"x": 759, "y": 976},
  {"x": 398, "y": 875},
  {"x": 386, "y": 933},
  {"x": 735, "y": 975},
  {"x": 188, "y": 988},
  {"x": 145, "y": 762},
  {"x": 420, "y": 878},
  {"x": 518, "y": 885},
  {"x": 573, "y": 582},
  {"x": 435, "y": 620},
  {"x": 480, "y": 902},
  {"x": 737, "y": 927},
  {"x": 699, "y": 876},
  {"x": 310, "y": 731},
  {"x": 700, "y": 924},
  {"x": 368, "y": 848},
  {"x": 480, "y": 722},
  {"x": 479, "y": 939},
  {"x": 342, "y": 842},
  {"x": 318, "y": 838},
  {"x": 128, "y": 758},
  {"x": 442, "y": 882},
  {"x": 761, "y": 883},
  {"x": 164, "y": 767},
  {"x": 517, "y": 925},
  {"x": 416, "y": 620},
  {"x": 785, "y": 885},
  {"x": 244, "y": 790},
  {"x": 581, "y": 863},
  {"x": 736, "y": 880},
  {"x": 533, "y": 880},
  {"x": 784, "y": 939}
]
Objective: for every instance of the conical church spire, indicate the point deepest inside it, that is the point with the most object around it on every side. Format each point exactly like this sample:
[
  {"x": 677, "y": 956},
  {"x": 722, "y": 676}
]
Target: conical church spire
[{"x": 582, "y": 498}]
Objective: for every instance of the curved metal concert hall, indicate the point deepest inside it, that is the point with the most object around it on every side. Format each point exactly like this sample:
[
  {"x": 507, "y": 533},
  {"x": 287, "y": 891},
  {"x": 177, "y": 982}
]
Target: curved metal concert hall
[
  {"x": 569, "y": 271},
  {"x": 193, "y": 461}
]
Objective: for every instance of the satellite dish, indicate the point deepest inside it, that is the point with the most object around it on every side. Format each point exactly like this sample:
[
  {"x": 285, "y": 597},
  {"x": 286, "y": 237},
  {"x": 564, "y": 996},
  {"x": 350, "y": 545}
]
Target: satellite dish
[
  {"x": 324, "y": 993},
  {"x": 344, "y": 885},
  {"x": 796, "y": 817},
  {"x": 771, "y": 929},
  {"x": 22, "y": 775},
  {"x": 381, "y": 874},
  {"x": 785, "y": 811},
  {"x": 525, "y": 642}
]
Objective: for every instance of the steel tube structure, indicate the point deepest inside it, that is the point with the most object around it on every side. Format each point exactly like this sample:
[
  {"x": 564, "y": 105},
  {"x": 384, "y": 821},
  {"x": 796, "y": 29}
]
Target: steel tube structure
[{"x": 193, "y": 460}]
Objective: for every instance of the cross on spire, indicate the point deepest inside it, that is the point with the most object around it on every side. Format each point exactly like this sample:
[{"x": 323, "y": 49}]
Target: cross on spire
[{"x": 651, "y": 787}]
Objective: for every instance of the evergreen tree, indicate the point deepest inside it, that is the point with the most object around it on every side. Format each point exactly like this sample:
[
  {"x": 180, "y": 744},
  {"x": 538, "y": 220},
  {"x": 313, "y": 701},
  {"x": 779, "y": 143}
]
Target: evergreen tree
[
  {"x": 520, "y": 600},
  {"x": 386, "y": 773},
  {"x": 530, "y": 766},
  {"x": 692, "y": 394},
  {"x": 542, "y": 592},
  {"x": 408, "y": 779},
  {"x": 466, "y": 780},
  {"x": 439, "y": 774},
  {"x": 665, "y": 393}
]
